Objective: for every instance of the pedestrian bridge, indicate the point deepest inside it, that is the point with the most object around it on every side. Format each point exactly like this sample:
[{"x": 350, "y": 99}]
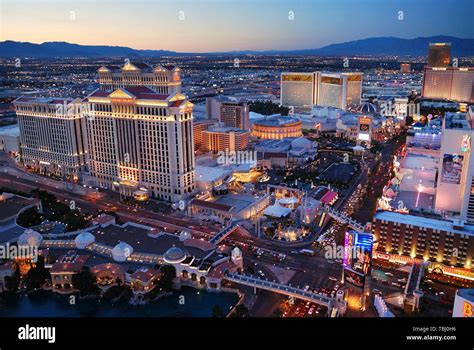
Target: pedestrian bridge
[
  {"x": 222, "y": 234},
  {"x": 295, "y": 292},
  {"x": 343, "y": 218}
]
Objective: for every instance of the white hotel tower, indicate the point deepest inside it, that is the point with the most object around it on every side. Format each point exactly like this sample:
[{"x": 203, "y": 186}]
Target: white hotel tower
[
  {"x": 51, "y": 135},
  {"x": 140, "y": 132}
]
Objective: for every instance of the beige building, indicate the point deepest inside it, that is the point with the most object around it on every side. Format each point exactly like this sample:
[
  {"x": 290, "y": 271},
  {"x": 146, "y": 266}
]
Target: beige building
[
  {"x": 232, "y": 112},
  {"x": 51, "y": 136},
  {"x": 221, "y": 139},
  {"x": 141, "y": 139},
  {"x": 318, "y": 88},
  {"x": 161, "y": 79},
  {"x": 449, "y": 83}
]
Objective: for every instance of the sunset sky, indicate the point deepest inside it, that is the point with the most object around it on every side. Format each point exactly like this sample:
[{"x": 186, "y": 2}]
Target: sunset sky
[{"x": 226, "y": 25}]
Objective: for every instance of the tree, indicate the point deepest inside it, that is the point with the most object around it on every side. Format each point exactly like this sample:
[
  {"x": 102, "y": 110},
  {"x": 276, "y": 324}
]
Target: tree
[
  {"x": 168, "y": 273},
  {"x": 37, "y": 275},
  {"x": 30, "y": 217},
  {"x": 12, "y": 283},
  {"x": 217, "y": 311},
  {"x": 267, "y": 108},
  {"x": 84, "y": 281}
]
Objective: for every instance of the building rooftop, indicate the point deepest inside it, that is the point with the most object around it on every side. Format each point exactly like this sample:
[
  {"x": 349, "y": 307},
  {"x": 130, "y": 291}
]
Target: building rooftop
[
  {"x": 10, "y": 130},
  {"x": 456, "y": 121},
  {"x": 145, "y": 274},
  {"x": 43, "y": 100},
  {"x": 466, "y": 293},
  {"x": 421, "y": 221},
  {"x": 137, "y": 236},
  {"x": 70, "y": 262},
  {"x": 11, "y": 204},
  {"x": 277, "y": 121}
]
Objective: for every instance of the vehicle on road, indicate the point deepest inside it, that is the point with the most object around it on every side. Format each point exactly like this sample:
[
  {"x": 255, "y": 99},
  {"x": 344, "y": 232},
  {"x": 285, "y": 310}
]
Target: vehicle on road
[{"x": 308, "y": 252}]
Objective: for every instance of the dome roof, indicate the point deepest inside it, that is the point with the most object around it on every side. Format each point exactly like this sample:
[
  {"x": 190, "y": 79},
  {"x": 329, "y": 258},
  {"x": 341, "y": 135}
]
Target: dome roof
[
  {"x": 174, "y": 255},
  {"x": 367, "y": 108},
  {"x": 122, "y": 251},
  {"x": 30, "y": 237},
  {"x": 84, "y": 239}
]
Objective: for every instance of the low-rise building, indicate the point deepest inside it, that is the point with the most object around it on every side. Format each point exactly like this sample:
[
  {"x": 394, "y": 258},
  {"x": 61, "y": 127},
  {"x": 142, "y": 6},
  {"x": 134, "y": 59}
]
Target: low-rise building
[
  {"x": 447, "y": 245},
  {"x": 64, "y": 269},
  {"x": 144, "y": 280}
]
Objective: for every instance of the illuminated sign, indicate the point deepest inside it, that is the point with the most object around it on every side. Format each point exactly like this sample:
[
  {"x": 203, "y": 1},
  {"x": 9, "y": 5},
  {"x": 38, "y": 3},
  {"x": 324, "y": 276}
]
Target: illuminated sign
[
  {"x": 466, "y": 143},
  {"x": 354, "y": 278},
  {"x": 348, "y": 243},
  {"x": 331, "y": 80},
  {"x": 354, "y": 77},
  {"x": 452, "y": 168},
  {"x": 305, "y": 78},
  {"x": 364, "y": 127},
  {"x": 363, "y": 137},
  {"x": 123, "y": 100},
  {"x": 365, "y": 120},
  {"x": 358, "y": 252},
  {"x": 467, "y": 310}
]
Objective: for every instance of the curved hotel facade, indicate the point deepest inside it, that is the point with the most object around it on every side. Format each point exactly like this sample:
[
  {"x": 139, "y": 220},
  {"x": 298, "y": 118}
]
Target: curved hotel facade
[{"x": 277, "y": 128}]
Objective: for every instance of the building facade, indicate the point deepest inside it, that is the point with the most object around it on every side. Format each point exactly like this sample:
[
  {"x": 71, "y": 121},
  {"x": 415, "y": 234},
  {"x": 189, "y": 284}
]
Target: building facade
[
  {"x": 277, "y": 128},
  {"x": 52, "y": 136},
  {"x": 221, "y": 139},
  {"x": 402, "y": 237},
  {"x": 455, "y": 184},
  {"x": 449, "y": 83},
  {"x": 298, "y": 89},
  {"x": 139, "y": 139},
  {"x": 199, "y": 126},
  {"x": 232, "y": 112},
  {"x": 439, "y": 55},
  {"x": 318, "y": 88},
  {"x": 161, "y": 79}
]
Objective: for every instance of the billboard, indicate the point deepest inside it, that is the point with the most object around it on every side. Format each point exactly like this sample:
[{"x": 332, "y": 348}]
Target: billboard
[
  {"x": 354, "y": 278},
  {"x": 452, "y": 168},
  {"x": 364, "y": 127},
  {"x": 358, "y": 252}
]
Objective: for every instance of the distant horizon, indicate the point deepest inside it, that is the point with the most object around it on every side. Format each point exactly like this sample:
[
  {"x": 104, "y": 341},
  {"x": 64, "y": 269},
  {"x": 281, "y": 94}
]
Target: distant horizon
[
  {"x": 235, "y": 50},
  {"x": 204, "y": 26}
]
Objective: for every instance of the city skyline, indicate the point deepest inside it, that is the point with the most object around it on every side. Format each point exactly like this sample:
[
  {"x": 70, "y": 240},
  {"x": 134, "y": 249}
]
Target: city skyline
[{"x": 225, "y": 26}]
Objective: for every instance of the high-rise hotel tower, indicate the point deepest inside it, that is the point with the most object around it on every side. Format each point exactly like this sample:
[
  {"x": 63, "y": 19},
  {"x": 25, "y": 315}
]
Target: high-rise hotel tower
[
  {"x": 51, "y": 136},
  {"x": 140, "y": 132}
]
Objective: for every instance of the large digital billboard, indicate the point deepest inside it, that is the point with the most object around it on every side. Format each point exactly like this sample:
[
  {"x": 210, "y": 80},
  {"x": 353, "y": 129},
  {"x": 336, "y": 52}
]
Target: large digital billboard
[
  {"x": 452, "y": 168},
  {"x": 358, "y": 252},
  {"x": 354, "y": 278}
]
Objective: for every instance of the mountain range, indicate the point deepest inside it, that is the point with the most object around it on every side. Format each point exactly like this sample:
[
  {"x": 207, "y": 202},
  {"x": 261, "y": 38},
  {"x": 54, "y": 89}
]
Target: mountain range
[{"x": 380, "y": 46}]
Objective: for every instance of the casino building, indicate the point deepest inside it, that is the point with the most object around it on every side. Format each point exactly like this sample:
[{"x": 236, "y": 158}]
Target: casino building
[
  {"x": 449, "y": 83},
  {"x": 447, "y": 244},
  {"x": 338, "y": 90},
  {"x": 52, "y": 136},
  {"x": 161, "y": 79},
  {"x": 138, "y": 139},
  {"x": 133, "y": 135},
  {"x": 277, "y": 128}
]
